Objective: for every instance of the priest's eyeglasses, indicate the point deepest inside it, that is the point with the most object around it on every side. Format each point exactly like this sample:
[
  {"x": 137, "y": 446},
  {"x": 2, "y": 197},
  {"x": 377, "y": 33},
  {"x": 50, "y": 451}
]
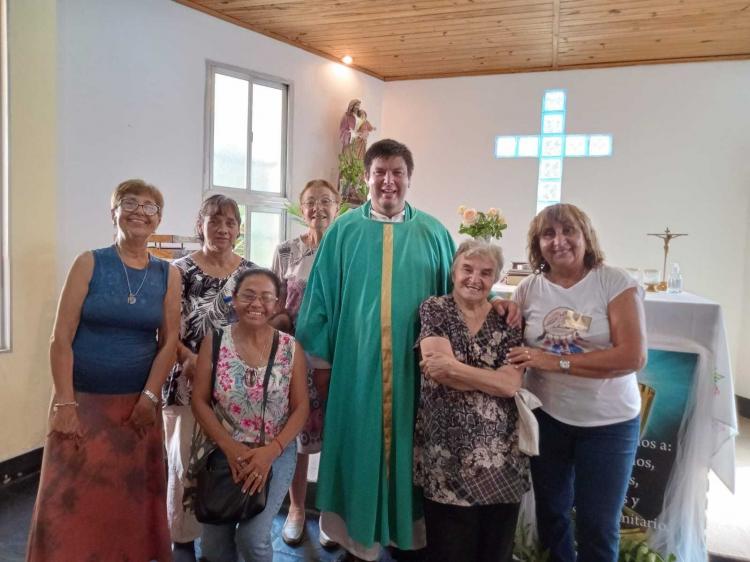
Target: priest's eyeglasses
[
  {"x": 252, "y": 297},
  {"x": 131, "y": 205},
  {"x": 323, "y": 202}
]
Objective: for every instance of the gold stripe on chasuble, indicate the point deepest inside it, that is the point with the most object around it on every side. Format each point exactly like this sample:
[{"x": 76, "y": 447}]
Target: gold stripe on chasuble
[{"x": 386, "y": 341}]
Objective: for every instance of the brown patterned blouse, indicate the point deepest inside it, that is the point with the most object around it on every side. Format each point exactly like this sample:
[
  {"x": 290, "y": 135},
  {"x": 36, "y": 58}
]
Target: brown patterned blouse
[{"x": 466, "y": 442}]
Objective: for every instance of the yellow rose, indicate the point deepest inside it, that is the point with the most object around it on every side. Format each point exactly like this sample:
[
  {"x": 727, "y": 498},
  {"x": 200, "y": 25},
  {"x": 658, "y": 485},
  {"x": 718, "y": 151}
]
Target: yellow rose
[
  {"x": 470, "y": 216},
  {"x": 492, "y": 212},
  {"x": 461, "y": 209}
]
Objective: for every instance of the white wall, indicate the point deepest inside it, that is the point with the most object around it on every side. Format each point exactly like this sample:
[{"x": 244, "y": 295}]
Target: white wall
[
  {"x": 681, "y": 145},
  {"x": 24, "y": 375},
  {"x": 131, "y": 102}
]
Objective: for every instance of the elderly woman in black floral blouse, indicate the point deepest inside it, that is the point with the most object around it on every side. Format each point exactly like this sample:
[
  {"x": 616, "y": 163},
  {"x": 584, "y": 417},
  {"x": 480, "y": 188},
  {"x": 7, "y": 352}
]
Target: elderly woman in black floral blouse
[{"x": 466, "y": 454}]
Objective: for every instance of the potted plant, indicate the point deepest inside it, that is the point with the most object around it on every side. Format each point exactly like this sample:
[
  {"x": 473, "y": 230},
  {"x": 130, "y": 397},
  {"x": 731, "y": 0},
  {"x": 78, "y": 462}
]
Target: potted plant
[{"x": 352, "y": 183}]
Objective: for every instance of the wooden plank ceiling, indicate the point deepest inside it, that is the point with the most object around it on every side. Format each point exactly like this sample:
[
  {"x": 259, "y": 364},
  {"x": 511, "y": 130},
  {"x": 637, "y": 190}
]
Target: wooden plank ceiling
[{"x": 409, "y": 39}]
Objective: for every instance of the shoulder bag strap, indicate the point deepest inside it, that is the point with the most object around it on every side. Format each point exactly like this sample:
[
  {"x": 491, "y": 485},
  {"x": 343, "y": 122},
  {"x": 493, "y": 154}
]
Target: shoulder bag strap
[
  {"x": 266, "y": 378},
  {"x": 218, "y": 334}
]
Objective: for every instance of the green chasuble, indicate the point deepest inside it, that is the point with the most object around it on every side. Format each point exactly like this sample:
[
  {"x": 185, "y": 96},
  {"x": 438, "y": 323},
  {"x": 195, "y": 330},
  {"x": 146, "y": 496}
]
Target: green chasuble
[{"x": 360, "y": 313}]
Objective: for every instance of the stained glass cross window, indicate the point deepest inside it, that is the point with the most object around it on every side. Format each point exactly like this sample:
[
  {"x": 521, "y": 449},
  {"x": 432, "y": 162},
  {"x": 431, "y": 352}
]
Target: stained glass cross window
[{"x": 551, "y": 147}]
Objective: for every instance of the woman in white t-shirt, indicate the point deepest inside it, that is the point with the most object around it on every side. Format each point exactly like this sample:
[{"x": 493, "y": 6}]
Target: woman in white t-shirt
[{"x": 585, "y": 340}]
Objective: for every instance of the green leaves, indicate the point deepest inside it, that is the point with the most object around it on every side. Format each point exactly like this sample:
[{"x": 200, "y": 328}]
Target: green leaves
[
  {"x": 484, "y": 226},
  {"x": 352, "y": 172}
]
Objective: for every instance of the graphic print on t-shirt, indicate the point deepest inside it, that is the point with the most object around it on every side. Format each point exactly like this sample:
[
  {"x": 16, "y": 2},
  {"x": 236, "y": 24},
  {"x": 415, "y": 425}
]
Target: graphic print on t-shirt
[{"x": 564, "y": 331}]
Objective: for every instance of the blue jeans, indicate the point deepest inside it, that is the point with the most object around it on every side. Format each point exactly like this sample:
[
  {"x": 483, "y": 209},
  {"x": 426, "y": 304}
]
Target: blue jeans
[
  {"x": 251, "y": 540},
  {"x": 585, "y": 467}
]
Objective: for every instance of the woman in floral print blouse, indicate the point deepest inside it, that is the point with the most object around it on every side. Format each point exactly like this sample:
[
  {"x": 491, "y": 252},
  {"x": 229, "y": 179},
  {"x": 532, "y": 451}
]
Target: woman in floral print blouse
[
  {"x": 231, "y": 413},
  {"x": 466, "y": 454}
]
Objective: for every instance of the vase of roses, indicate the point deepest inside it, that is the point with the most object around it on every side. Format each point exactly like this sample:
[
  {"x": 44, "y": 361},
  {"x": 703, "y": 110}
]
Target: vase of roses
[{"x": 480, "y": 224}]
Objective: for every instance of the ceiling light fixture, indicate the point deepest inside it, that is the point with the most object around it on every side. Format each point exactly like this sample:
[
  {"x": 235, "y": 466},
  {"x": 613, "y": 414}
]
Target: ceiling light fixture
[{"x": 346, "y": 59}]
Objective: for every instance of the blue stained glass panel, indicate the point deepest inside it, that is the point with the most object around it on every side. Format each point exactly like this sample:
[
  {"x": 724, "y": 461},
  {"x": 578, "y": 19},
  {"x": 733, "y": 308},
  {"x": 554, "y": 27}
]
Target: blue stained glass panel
[
  {"x": 553, "y": 123},
  {"x": 554, "y": 100},
  {"x": 600, "y": 145},
  {"x": 505, "y": 147},
  {"x": 550, "y": 169},
  {"x": 552, "y": 146},
  {"x": 528, "y": 146},
  {"x": 576, "y": 145}
]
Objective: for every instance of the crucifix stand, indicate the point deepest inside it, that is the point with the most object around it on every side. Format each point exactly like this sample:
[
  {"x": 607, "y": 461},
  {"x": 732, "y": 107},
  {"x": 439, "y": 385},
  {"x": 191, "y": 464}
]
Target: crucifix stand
[{"x": 667, "y": 235}]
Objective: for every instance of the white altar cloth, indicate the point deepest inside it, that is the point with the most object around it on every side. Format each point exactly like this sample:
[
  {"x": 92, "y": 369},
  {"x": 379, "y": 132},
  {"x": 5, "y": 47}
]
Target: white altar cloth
[{"x": 684, "y": 317}]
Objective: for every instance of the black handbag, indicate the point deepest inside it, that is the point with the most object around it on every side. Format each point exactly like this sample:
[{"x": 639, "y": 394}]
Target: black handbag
[{"x": 219, "y": 499}]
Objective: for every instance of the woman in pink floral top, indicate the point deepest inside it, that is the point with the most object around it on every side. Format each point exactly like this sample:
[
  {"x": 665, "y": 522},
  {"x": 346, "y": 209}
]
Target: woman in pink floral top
[{"x": 230, "y": 415}]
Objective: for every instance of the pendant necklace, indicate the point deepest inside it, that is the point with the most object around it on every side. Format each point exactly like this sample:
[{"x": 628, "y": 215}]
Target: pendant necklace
[
  {"x": 264, "y": 352},
  {"x": 131, "y": 295}
]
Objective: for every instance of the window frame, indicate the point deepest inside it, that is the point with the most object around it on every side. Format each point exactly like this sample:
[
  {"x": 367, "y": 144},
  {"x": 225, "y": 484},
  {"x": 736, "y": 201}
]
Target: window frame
[
  {"x": 5, "y": 300},
  {"x": 252, "y": 200}
]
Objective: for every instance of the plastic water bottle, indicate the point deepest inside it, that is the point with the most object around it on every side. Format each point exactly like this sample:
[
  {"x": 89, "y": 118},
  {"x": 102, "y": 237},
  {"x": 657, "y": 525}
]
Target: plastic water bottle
[
  {"x": 674, "y": 282},
  {"x": 231, "y": 313}
]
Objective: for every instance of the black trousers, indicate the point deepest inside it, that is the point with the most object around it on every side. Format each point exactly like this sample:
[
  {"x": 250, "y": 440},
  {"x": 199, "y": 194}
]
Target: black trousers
[{"x": 481, "y": 533}]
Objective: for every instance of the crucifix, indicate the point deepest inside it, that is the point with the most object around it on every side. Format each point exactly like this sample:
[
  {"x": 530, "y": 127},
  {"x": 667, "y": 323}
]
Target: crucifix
[
  {"x": 667, "y": 236},
  {"x": 551, "y": 147}
]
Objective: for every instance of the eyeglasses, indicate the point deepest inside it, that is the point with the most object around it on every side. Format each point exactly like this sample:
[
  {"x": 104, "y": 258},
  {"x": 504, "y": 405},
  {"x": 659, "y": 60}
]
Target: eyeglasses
[
  {"x": 252, "y": 297},
  {"x": 324, "y": 202},
  {"x": 131, "y": 205}
]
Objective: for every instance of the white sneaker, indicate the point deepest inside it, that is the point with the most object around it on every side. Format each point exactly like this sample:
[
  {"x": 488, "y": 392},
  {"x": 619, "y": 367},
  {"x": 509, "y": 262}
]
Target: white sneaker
[
  {"x": 326, "y": 541},
  {"x": 293, "y": 530}
]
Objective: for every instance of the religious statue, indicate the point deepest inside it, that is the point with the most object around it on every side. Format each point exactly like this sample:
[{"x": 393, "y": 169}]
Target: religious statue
[{"x": 354, "y": 129}]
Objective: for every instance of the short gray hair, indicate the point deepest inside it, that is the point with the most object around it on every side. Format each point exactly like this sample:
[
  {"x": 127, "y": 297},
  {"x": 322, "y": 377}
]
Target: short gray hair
[{"x": 480, "y": 248}]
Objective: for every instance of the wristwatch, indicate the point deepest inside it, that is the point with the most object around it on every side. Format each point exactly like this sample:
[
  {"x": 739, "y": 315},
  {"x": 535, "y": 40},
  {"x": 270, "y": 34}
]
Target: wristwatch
[{"x": 565, "y": 365}]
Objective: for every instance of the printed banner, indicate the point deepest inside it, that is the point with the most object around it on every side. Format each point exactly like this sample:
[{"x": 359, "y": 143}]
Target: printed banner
[{"x": 666, "y": 386}]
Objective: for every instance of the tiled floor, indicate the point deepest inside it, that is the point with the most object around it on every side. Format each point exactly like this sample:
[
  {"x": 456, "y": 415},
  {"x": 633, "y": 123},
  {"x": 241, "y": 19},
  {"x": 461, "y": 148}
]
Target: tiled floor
[
  {"x": 17, "y": 502},
  {"x": 728, "y": 529}
]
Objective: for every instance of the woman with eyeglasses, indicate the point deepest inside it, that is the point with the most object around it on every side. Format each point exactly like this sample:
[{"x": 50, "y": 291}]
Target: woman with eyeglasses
[
  {"x": 231, "y": 414},
  {"x": 293, "y": 262},
  {"x": 102, "y": 487},
  {"x": 208, "y": 280}
]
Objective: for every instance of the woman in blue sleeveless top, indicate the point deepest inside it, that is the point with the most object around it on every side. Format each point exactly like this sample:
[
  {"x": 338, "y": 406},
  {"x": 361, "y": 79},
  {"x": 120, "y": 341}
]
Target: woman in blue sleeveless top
[{"x": 102, "y": 487}]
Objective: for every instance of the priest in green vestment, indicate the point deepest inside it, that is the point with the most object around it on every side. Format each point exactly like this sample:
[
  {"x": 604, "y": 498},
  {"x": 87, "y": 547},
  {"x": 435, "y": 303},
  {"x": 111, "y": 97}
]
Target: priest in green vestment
[{"x": 375, "y": 265}]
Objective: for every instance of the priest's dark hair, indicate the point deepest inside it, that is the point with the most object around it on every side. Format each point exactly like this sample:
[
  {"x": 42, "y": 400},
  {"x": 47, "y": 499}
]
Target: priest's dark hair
[
  {"x": 388, "y": 148},
  {"x": 563, "y": 213},
  {"x": 255, "y": 270}
]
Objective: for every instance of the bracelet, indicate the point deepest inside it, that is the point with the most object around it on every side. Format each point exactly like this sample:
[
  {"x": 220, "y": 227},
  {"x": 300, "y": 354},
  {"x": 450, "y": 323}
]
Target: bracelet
[
  {"x": 151, "y": 396},
  {"x": 57, "y": 405},
  {"x": 281, "y": 447}
]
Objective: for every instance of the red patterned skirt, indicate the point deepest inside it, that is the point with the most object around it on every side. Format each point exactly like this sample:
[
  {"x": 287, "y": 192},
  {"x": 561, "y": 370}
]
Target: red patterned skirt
[{"x": 103, "y": 499}]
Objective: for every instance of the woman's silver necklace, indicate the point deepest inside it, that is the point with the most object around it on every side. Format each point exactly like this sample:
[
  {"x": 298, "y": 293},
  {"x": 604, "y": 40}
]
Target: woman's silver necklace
[
  {"x": 264, "y": 350},
  {"x": 131, "y": 295}
]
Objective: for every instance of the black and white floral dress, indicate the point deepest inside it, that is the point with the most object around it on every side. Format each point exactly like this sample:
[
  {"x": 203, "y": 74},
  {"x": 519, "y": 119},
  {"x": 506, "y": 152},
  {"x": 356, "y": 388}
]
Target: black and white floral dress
[
  {"x": 206, "y": 304},
  {"x": 466, "y": 442}
]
